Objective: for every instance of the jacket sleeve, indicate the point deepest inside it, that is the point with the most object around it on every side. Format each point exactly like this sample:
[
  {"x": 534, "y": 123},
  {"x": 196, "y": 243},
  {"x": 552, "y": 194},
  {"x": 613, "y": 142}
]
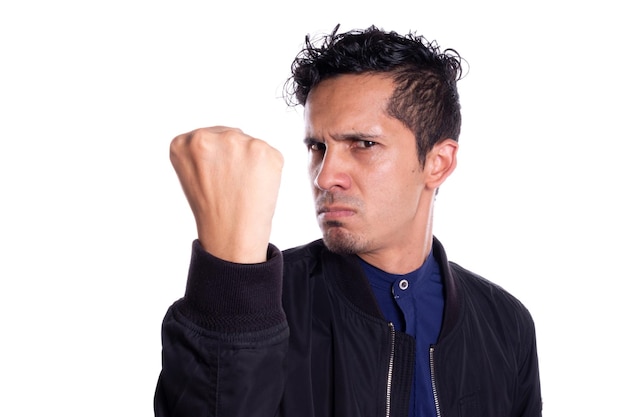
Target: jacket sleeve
[
  {"x": 224, "y": 342},
  {"x": 529, "y": 401}
]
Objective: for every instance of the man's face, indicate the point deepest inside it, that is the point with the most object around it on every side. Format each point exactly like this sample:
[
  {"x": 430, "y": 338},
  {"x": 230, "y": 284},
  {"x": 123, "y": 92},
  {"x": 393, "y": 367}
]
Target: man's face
[{"x": 366, "y": 177}]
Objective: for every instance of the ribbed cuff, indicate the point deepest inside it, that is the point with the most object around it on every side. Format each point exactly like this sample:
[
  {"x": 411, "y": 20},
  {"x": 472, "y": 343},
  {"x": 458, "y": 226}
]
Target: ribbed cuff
[{"x": 230, "y": 297}]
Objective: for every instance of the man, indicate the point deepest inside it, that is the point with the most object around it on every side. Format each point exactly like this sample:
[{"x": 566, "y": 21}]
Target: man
[{"x": 373, "y": 320}]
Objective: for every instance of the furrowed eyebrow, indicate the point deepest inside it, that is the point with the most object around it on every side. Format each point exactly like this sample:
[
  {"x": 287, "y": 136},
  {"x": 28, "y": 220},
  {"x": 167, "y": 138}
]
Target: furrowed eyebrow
[{"x": 356, "y": 136}]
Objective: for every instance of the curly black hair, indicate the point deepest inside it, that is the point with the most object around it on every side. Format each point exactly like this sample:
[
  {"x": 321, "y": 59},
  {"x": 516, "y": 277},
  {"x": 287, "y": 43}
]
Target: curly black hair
[{"x": 425, "y": 98}]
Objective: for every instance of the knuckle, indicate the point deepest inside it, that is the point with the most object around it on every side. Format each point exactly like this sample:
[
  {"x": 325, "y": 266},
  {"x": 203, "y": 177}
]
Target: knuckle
[
  {"x": 265, "y": 151},
  {"x": 231, "y": 136},
  {"x": 279, "y": 159},
  {"x": 176, "y": 146},
  {"x": 229, "y": 143},
  {"x": 188, "y": 145}
]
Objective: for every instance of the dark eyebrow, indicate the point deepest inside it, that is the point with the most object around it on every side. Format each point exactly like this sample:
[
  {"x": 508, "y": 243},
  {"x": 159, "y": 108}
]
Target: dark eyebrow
[
  {"x": 354, "y": 136},
  {"x": 310, "y": 141},
  {"x": 357, "y": 136}
]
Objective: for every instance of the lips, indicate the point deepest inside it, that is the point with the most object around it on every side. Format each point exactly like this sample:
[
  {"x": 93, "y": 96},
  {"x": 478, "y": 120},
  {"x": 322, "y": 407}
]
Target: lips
[
  {"x": 334, "y": 212},
  {"x": 333, "y": 207}
]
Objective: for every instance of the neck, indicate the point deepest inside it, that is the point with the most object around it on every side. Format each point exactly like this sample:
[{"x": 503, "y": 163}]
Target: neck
[{"x": 409, "y": 254}]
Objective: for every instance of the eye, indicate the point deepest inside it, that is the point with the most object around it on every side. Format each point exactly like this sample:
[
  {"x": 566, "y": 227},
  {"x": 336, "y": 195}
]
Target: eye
[
  {"x": 364, "y": 143},
  {"x": 316, "y": 146}
]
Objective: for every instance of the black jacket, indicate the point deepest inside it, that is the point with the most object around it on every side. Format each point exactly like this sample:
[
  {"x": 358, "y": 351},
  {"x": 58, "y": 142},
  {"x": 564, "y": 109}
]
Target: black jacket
[{"x": 244, "y": 342}]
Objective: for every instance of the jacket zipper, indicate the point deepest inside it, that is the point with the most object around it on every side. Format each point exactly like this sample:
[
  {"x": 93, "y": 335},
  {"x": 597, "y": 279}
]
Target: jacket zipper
[
  {"x": 432, "y": 380},
  {"x": 390, "y": 371}
]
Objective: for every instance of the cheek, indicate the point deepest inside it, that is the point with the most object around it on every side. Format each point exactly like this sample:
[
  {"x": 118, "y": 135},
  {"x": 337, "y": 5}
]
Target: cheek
[
  {"x": 314, "y": 162},
  {"x": 387, "y": 175},
  {"x": 398, "y": 187},
  {"x": 313, "y": 170}
]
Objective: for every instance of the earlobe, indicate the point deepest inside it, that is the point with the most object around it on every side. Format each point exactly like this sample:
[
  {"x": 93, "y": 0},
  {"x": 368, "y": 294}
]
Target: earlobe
[{"x": 441, "y": 162}]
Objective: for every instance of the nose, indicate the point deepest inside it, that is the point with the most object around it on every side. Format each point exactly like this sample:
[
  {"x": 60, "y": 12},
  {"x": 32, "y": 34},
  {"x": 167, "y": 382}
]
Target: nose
[{"x": 331, "y": 171}]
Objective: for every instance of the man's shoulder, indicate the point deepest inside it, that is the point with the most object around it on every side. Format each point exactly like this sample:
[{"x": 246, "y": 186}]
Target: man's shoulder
[{"x": 478, "y": 289}]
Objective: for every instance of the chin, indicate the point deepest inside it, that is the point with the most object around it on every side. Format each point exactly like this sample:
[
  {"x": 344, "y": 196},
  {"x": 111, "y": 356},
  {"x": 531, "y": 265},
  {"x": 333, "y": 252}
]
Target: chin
[{"x": 338, "y": 240}]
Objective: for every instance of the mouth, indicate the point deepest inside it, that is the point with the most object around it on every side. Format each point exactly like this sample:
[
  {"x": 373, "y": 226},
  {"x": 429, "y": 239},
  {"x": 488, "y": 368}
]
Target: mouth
[
  {"x": 333, "y": 209},
  {"x": 333, "y": 213}
]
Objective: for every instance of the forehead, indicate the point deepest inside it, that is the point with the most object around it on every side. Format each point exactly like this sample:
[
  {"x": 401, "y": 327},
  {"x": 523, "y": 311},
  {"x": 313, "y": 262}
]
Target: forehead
[{"x": 348, "y": 102}]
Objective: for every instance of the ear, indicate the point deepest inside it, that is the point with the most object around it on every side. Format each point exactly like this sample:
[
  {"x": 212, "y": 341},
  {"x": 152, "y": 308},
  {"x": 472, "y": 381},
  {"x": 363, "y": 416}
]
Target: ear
[{"x": 440, "y": 163}]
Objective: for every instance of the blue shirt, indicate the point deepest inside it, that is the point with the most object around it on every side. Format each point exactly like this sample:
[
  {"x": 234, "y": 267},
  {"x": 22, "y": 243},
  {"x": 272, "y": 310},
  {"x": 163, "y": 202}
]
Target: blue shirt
[{"x": 414, "y": 304}]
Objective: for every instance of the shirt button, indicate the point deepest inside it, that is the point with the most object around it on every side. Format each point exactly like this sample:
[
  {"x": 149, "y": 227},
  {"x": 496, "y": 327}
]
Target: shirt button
[{"x": 404, "y": 284}]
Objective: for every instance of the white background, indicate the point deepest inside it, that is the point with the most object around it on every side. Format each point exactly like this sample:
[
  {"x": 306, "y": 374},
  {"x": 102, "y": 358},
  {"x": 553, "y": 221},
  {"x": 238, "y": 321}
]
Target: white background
[{"x": 95, "y": 233}]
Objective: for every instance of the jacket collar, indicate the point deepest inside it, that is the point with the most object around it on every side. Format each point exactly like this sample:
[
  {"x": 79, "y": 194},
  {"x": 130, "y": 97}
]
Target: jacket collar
[
  {"x": 345, "y": 272},
  {"x": 452, "y": 305}
]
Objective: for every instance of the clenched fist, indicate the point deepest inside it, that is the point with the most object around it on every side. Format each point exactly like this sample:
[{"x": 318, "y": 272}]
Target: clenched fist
[{"x": 231, "y": 181}]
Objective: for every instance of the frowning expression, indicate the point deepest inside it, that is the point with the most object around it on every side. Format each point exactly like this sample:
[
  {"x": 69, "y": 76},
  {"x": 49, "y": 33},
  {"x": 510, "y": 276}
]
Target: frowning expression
[{"x": 366, "y": 177}]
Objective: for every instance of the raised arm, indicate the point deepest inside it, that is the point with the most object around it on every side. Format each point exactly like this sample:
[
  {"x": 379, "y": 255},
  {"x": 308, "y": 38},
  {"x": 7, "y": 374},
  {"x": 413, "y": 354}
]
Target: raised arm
[{"x": 224, "y": 342}]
